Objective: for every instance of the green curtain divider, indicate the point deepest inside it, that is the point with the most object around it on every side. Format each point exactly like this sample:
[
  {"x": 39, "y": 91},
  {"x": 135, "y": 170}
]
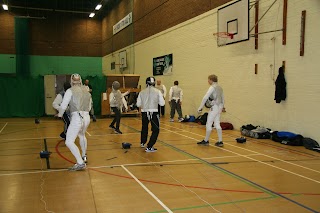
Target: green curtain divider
[
  {"x": 24, "y": 97},
  {"x": 22, "y": 42},
  {"x": 21, "y": 97}
]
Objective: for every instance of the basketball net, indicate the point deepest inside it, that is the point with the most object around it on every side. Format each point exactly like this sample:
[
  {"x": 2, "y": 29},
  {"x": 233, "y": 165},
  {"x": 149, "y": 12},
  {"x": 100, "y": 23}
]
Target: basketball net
[{"x": 222, "y": 38}]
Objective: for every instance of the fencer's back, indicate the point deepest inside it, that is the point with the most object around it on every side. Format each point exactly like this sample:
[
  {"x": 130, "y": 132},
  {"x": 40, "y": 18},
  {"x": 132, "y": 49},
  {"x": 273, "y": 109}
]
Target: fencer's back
[
  {"x": 116, "y": 100},
  {"x": 80, "y": 100},
  {"x": 149, "y": 98},
  {"x": 176, "y": 91}
]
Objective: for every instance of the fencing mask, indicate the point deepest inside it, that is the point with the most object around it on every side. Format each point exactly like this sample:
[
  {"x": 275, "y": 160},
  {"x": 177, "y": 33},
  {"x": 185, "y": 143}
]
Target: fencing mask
[
  {"x": 150, "y": 81},
  {"x": 116, "y": 85},
  {"x": 76, "y": 79}
]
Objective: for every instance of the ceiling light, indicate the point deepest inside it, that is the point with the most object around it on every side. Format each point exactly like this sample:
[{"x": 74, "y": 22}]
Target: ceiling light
[
  {"x": 98, "y": 7},
  {"x": 91, "y": 15},
  {"x": 5, "y": 7}
]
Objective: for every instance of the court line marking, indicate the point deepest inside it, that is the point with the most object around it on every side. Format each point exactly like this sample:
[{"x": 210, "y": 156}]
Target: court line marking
[
  {"x": 31, "y": 122},
  {"x": 147, "y": 190},
  {"x": 88, "y": 133},
  {"x": 242, "y": 178},
  {"x": 219, "y": 168},
  {"x": 3, "y": 127},
  {"x": 114, "y": 134},
  {"x": 160, "y": 162},
  {"x": 23, "y": 139},
  {"x": 118, "y": 165},
  {"x": 261, "y": 154},
  {"x": 35, "y": 172},
  {"x": 251, "y": 158},
  {"x": 217, "y": 204}
]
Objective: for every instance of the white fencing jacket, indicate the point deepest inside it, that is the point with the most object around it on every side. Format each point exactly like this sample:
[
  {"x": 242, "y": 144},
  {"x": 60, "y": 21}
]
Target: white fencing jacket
[{"x": 149, "y": 99}]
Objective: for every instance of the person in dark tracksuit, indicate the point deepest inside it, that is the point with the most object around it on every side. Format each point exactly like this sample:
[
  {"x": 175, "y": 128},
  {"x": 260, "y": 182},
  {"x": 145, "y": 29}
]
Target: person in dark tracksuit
[
  {"x": 148, "y": 100},
  {"x": 66, "y": 115}
]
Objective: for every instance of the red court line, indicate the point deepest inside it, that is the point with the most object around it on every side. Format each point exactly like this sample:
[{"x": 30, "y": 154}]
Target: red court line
[{"x": 172, "y": 184}]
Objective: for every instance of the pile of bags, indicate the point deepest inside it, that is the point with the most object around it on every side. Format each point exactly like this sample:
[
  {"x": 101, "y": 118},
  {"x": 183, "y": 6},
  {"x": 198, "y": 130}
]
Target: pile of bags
[
  {"x": 283, "y": 137},
  {"x": 255, "y": 131}
]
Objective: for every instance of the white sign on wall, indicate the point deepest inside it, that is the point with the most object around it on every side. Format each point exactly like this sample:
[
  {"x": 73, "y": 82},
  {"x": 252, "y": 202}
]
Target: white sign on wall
[{"x": 123, "y": 23}]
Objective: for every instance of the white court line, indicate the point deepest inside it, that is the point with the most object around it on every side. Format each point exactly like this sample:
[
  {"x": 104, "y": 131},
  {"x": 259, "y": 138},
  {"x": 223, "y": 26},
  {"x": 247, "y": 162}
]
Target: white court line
[
  {"x": 35, "y": 172},
  {"x": 118, "y": 165},
  {"x": 3, "y": 127},
  {"x": 88, "y": 133},
  {"x": 250, "y": 158},
  {"x": 278, "y": 159},
  {"x": 160, "y": 162},
  {"x": 31, "y": 122},
  {"x": 23, "y": 139},
  {"x": 147, "y": 190},
  {"x": 130, "y": 133}
]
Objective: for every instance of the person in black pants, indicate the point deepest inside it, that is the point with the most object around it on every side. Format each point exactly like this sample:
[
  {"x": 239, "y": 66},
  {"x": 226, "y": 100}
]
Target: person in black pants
[
  {"x": 116, "y": 104},
  {"x": 148, "y": 100},
  {"x": 66, "y": 115}
]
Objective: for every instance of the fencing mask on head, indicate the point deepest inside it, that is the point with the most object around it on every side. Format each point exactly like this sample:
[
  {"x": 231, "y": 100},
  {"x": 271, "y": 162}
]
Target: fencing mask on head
[
  {"x": 150, "y": 81},
  {"x": 76, "y": 79},
  {"x": 116, "y": 85}
]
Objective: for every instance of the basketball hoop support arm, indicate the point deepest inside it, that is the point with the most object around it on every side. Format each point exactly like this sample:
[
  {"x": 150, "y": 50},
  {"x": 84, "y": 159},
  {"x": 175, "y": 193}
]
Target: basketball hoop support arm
[
  {"x": 263, "y": 15},
  {"x": 271, "y": 31}
]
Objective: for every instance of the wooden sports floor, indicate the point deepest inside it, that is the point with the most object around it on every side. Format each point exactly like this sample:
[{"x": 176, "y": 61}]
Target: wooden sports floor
[{"x": 259, "y": 176}]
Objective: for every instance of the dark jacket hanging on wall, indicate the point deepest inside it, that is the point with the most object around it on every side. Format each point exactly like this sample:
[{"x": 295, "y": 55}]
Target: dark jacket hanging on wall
[{"x": 281, "y": 84}]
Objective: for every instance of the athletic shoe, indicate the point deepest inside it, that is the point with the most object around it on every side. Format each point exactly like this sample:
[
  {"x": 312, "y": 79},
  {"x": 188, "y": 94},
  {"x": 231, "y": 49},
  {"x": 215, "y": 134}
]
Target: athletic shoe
[
  {"x": 117, "y": 131},
  {"x": 94, "y": 119},
  {"x": 219, "y": 143},
  {"x": 78, "y": 167},
  {"x": 63, "y": 136},
  {"x": 142, "y": 145},
  {"x": 151, "y": 149},
  {"x": 85, "y": 159},
  {"x": 203, "y": 142},
  {"x": 181, "y": 119},
  {"x": 171, "y": 120},
  {"x": 112, "y": 127}
]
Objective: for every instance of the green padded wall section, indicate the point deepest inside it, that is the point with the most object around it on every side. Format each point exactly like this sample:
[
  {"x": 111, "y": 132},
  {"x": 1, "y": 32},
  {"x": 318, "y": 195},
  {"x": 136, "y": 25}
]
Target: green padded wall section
[
  {"x": 22, "y": 41},
  {"x": 8, "y": 63},
  {"x": 56, "y": 65}
]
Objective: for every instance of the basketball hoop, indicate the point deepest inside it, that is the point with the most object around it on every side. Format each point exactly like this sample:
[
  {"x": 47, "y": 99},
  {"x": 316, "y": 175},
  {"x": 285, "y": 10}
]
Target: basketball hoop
[{"x": 223, "y": 37}]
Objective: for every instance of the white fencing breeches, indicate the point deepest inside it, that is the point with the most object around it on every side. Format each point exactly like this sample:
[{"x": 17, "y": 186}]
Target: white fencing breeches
[
  {"x": 214, "y": 117},
  {"x": 78, "y": 127}
]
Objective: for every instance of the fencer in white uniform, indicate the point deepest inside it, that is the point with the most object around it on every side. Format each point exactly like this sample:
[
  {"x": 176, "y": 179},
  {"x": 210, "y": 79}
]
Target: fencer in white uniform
[
  {"x": 79, "y": 100},
  {"x": 148, "y": 100},
  {"x": 213, "y": 99}
]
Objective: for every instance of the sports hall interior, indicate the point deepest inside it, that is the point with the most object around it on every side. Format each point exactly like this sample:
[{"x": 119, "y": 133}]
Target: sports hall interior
[{"x": 42, "y": 39}]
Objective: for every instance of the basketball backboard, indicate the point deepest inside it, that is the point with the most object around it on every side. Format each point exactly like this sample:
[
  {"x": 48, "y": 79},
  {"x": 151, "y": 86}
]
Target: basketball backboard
[
  {"x": 123, "y": 59},
  {"x": 234, "y": 19}
]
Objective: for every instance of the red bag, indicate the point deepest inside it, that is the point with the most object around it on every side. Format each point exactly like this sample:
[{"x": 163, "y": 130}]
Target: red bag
[{"x": 226, "y": 125}]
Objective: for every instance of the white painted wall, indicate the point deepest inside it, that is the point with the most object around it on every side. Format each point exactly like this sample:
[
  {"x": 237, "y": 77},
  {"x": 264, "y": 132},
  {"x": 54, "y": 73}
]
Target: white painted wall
[{"x": 249, "y": 97}]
